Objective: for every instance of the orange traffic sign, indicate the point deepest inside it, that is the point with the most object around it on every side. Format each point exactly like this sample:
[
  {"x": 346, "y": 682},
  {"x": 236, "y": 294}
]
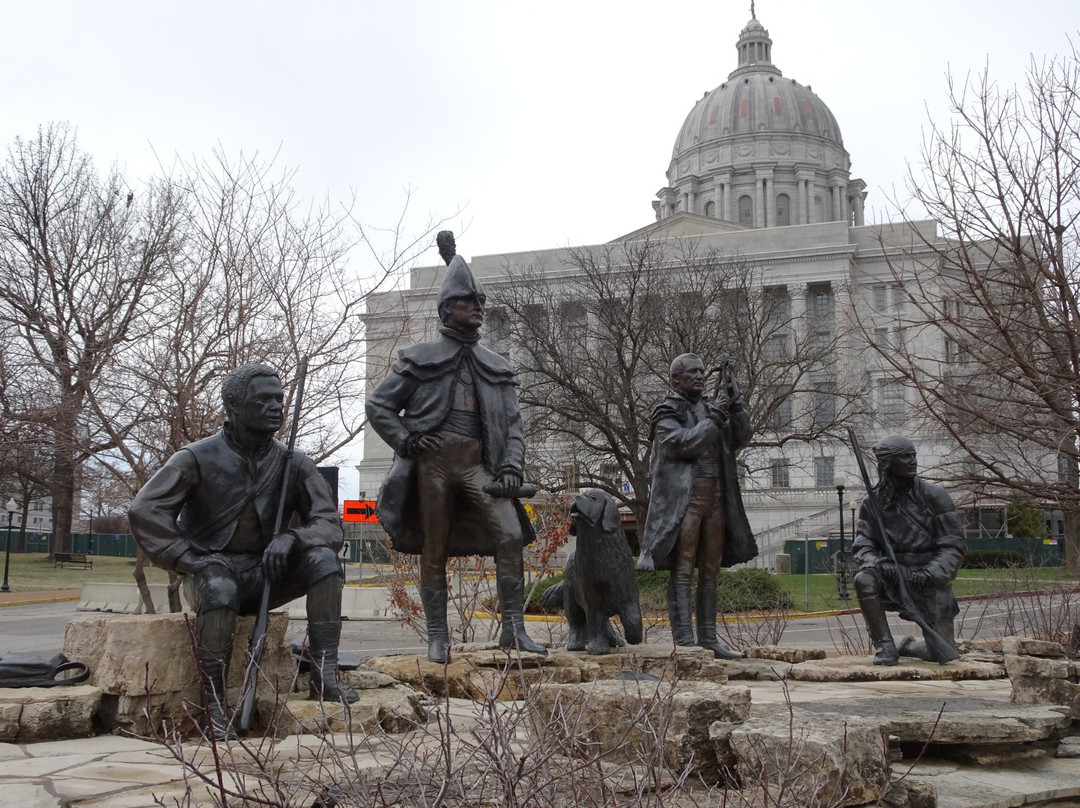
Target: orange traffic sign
[{"x": 360, "y": 510}]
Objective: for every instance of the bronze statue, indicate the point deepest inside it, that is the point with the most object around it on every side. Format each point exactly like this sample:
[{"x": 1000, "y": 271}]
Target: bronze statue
[
  {"x": 599, "y": 580},
  {"x": 209, "y": 512},
  {"x": 696, "y": 516},
  {"x": 449, "y": 409},
  {"x": 927, "y": 541}
]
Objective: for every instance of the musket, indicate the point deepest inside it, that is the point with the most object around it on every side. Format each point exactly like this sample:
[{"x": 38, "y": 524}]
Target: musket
[
  {"x": 257, "y": 640},
  {"x": 940, "y": 650},
  {"x": 725, "y": 381}
]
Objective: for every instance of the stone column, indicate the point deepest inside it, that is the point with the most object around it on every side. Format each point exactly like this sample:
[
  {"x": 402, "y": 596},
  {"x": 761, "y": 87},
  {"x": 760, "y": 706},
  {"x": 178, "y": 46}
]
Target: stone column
[{"x": 729, "y": 198}]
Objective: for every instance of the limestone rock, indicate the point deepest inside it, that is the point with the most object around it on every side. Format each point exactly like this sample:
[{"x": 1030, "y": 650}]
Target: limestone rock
[
  {"x": 758, "y": 670},
  {"x": 624, "y": 718},
  {"x": 1069, "y": 747},
  {"x": 33, "y": 714},
  {"x": 486, "y": 672},
  {"x": 1025, "y": 646},
  {"x": 919, "y": 719},
  {"x": 146, "y": 671},
  {"x": 910, "y": 793},
  {"x": 818, "y": 759},
  {"x": 1045, "y": 680},
  {"x": 780, "y": 653},
  {"x": 862, "y": 669},
  {"x": 391, "y": 709}
]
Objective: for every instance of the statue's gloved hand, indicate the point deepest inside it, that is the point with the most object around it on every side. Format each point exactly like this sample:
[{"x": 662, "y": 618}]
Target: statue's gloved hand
[
  {"x": 506, "y": 484},
  {"x": 429, "y": 443},
  {"x": 276, "y": 556},
  {"x": 719, "y": 408},
  {"x": 921, "y": 578},
  {"x": 887, "y": 570},
  {"x": 417, "y": 444}
]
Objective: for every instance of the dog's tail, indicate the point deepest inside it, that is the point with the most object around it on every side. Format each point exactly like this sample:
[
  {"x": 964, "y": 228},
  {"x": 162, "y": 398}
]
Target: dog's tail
[{"x": 552, "y": 597}]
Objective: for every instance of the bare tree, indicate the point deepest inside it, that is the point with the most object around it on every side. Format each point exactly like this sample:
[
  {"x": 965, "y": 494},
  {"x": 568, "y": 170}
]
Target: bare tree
[
  {"x": 24, "y": 440},
  {"x": 594, "y": 339},
  {"x": 259, "y": 275},
  {"x": 79, "y": 255},
  {"x": 993, "y": 307}
]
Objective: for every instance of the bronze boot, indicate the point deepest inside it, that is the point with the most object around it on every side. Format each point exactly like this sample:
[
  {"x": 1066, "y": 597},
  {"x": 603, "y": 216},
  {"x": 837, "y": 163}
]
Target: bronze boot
[
  {"x": 877, "y": 625},
  {"x": 511, "y": 604},
  {"x": 706, "y": 608},
  {"x": 678, "y": 605},
  {"x": 438, "y": 631},
  {"x": 323, "y": 639},
  {"x": 216, "y": 719}
]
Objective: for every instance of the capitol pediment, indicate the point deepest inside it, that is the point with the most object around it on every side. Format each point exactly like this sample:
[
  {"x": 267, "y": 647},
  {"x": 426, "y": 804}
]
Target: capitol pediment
[{"x": 682, "y": 225}]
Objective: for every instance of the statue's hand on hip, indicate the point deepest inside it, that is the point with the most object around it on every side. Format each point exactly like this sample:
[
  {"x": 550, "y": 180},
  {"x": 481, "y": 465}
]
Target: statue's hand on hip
[
  {"x": 276, "y": 556},
  {"x": 429, "y": 443}
]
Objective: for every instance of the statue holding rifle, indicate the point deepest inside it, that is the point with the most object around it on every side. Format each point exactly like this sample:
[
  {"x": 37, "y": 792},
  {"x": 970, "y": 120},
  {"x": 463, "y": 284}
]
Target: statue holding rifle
[
  {"x": 909, "y": 544},
  {"x": 449, "y": 409},
  {"x": 696, "y": 518},
  {"x": 239, "y": 514}
]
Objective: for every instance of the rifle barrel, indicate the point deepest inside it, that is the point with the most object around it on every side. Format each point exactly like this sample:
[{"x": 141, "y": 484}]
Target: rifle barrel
[{"x": 257, "y": 640}]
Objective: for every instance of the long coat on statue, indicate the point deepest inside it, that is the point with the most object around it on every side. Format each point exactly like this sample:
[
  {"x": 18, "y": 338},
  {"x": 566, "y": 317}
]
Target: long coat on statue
[
  {"x": 416, "y": 399},
  {"x": 679, "y": 438}
]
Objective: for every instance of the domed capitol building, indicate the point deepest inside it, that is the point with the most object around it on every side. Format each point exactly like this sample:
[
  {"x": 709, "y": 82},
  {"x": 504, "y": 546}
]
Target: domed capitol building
[
  {"x": 761, "y": 150},
  {"x": 758, "y": 171}
]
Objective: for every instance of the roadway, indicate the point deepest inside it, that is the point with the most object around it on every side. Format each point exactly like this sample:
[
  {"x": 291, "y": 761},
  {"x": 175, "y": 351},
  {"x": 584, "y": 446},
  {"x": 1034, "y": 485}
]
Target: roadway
[{"x": 39, "y": 628}]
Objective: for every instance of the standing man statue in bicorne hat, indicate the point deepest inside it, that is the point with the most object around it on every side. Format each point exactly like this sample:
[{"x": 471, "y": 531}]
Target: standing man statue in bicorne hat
[{"x": 449, "y": 409}]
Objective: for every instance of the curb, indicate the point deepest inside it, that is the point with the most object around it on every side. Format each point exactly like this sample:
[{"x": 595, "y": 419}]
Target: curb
[{"x": 32, "y": 601}]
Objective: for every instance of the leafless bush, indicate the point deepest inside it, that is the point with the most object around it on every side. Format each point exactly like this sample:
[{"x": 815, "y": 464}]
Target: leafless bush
[
  {"x": 490, "y": 752},
  {"x": 746, "y": 629},
  {"x": 1026, "y": 605},
  {"x": 847, "y": 633}
]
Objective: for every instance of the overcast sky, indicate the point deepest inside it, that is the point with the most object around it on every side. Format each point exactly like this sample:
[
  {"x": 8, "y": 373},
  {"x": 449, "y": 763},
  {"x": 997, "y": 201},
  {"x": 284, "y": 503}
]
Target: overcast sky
[{"x": 550, "y": 123}]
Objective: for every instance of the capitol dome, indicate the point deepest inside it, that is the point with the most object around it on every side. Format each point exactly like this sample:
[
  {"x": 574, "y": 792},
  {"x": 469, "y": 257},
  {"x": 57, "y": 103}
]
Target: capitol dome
[{"x": 761, "y": 150}]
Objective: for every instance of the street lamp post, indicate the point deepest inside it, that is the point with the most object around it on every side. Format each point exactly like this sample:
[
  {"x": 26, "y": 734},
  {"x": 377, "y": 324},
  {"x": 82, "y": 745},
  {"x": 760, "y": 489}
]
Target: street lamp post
[
  {"x": 841, "y": 558},
  {"x": 11, "y": 507}
]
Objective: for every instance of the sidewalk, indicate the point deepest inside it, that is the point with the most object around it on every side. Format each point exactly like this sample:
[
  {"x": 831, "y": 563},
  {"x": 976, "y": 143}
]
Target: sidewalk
[{"x": 41, "y": 596}]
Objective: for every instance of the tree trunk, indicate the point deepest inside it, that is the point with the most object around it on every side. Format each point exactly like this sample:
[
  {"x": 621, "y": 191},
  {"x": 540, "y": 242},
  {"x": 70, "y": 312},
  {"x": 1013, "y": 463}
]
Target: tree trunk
[
  {"x": 63, "y": 496},
  {"x": 1072, "y": 540},
  {"x": 174, "y": 592},
  {"x": 140, "y": 581}
]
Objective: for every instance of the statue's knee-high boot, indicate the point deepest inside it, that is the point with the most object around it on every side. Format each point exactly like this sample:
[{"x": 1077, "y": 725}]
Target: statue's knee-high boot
[
  {"x": 706, "y": 624},
  {"x": 511, "y": 603},
  {"x": 877, "y": 625},
  {"x": 678, "y": 602},
  {"x": 438, "y": 631},
  {"x": 214, "y": 630},
  {"x": 324, "y": 637}
]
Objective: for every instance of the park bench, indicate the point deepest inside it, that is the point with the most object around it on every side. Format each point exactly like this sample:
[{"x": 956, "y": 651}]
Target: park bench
[{"x": 60, "y": 559}]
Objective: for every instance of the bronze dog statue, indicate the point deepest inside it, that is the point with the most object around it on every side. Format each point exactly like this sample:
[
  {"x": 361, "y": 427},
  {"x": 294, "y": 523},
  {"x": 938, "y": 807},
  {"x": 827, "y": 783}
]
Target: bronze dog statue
[{"x": 599, "y": 579}]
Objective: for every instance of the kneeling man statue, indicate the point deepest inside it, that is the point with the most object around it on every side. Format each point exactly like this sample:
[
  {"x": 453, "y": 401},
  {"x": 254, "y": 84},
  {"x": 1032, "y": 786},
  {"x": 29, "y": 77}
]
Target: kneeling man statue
[
  {"x": 209, "y": 514},
  {"x": 923, "y": 528}
]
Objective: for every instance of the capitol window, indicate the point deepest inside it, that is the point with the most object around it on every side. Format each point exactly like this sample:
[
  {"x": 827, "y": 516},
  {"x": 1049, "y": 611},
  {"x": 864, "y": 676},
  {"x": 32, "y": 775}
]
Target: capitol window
[{"x": 746, "y": 210}]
